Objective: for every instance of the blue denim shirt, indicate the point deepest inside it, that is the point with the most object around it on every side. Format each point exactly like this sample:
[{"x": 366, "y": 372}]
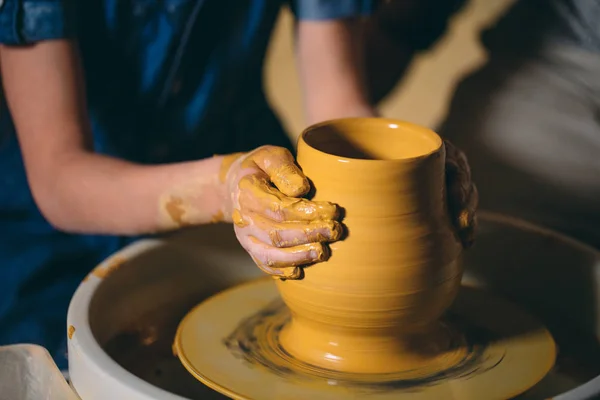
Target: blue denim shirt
[{"x": 166, "y": 80}]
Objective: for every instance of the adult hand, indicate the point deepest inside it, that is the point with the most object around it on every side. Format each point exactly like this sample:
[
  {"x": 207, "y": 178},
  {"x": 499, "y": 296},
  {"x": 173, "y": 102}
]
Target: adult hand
[
  {"x": 463, "y": 197},
  {"x": 276, "y": 226}
]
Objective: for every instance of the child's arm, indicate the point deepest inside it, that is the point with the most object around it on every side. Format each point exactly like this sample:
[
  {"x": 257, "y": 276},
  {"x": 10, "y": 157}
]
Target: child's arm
[
  {"x": 80, "y": 191},
  {"x": 331, "y": 69},
  {"x": 76, "y": 189}
]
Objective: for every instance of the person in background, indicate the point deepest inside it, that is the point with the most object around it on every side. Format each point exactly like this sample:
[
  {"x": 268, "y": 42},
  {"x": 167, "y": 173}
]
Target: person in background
[
  {"x": 529, "y": 119},
  {"x": 396, "y": 32},
  {"x": 128, "y": 118}
]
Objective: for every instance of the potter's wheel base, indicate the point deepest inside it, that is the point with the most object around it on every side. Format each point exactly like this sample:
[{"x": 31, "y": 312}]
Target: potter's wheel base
[
  {"x": 257, "y": 341},
  {"x": 426, "y": 351},
  {"x": 231, "y": 343}
]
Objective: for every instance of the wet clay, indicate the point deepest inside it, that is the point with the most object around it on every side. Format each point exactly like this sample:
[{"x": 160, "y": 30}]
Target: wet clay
[
  {"x": 70, "y": 332},
  {"x": 494, "y": 350},
  {"x": 282, "y": 207},
  {"x": 268, "y": 201},
  {"x": 257, "y": 340},
  {"x": 174, "y": 208},
  {"x": 274, "y": 183},
  {"x": 279, "y": 272},
  {"x": 187, "y": 204},
  {"x": 238, "y": 220},
  {"x": 114, "y": 264},
  {"x": 290, "y": 270},
  {"x": 279, "y": 164},
  {"x": 374, "y": 306},
  {"x": 226, "y": 164},
  {"x": 218, "y": 217}
]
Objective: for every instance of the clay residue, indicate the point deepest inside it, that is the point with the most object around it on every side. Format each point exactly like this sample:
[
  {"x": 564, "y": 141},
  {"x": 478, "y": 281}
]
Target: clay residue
[
  {"x": 228, "y": 160},
  {"x": 70, "y": 331},
  {"x": 149, "y": 335},
  {"x": 254, "y": 188},
  {"x": 238, "y": 220},
  {"x": 463, "y": 219},
  {"x": 175, "y": 209},
  {"x": 218, "y": 217},
  {"x": 257, "y": 341},
  {"x": 279, "y": 270},
  {"x": 313, "y": 231},
  {"x": 280, "y": 166},
  {"x": 289, "y": 268},
  {"x": 192, "y": 202},
  {"x": 113, "y": 264}
]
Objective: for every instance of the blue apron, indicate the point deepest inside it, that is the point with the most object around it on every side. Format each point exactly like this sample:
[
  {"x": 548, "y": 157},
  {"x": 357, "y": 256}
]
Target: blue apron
[{"x": 167, "y": 81}]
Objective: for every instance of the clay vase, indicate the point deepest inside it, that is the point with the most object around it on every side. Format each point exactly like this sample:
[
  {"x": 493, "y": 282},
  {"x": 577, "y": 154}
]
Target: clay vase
[{"x": 374, "y": 307}]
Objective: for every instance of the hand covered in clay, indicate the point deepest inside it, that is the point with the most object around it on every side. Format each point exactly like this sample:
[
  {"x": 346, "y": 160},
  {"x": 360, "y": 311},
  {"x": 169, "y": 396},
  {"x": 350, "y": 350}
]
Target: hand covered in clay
[
  {"x": 463, "y": 197},
  {"x": 277, "y": 227}
]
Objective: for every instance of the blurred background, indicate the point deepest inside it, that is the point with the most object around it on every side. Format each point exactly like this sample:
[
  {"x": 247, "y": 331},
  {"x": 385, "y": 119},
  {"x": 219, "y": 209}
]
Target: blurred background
[
  {"x": 512, "y": 83},
  {"x": 423, "y": 94}
]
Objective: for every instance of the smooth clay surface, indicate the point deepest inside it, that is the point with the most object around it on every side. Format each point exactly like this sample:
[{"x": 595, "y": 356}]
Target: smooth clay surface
[
  {"x": 126, "y": 323},
  {"x": 231, "y": 342},
  {"x": 374, "y": 306}
]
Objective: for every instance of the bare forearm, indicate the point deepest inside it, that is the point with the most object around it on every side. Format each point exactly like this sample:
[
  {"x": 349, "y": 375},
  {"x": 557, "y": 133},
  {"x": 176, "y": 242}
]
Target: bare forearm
[
  {"x": 331, "y": 69},
  {"x": 78, "y": 190},
  {"x": 93, "y": 193}
]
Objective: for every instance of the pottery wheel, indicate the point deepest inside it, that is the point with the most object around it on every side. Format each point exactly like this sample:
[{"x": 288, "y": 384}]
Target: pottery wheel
[{"x": 230, "y": 343}]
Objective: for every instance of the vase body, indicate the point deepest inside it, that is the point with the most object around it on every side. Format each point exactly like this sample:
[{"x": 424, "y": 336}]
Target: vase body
[{"x": 375, "y": 305}]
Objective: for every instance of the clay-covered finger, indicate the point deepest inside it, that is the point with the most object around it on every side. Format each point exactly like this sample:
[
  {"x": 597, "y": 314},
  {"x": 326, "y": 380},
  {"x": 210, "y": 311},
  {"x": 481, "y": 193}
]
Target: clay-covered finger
[
  {"x": 258, "y": 196},
  {"x": 466, "y": 219},
  {"x": 463, "y": 213},
  {"x": 281, "y": 273},
  {"x": 470, "y": 207},
  {"x": 458, "y": 176},
  {"x": 283, "y": 262},
  {"x": 458, "y": 158},
  {"x": 280, "y": 166},
  {"x": 288, "y": 234},
  {"x": 467, "y": 235}
]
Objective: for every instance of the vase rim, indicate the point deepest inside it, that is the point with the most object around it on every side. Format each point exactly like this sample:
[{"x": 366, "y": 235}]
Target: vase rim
[{"x": 383, "y": 122}]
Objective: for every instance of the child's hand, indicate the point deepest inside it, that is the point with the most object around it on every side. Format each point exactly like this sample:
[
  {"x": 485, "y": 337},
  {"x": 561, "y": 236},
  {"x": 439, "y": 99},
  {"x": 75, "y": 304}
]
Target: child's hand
[{"x": 278, "y": 228}]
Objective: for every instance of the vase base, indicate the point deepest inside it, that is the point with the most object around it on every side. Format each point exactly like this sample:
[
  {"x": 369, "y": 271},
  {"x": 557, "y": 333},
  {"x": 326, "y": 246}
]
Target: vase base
[
  {"x": 439, "y": 348},
  {"x": 232, "y": 343}
]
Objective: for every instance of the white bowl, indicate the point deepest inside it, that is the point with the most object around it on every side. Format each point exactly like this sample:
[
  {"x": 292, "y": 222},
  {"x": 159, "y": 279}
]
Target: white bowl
[{"x": 125, "y": 314}]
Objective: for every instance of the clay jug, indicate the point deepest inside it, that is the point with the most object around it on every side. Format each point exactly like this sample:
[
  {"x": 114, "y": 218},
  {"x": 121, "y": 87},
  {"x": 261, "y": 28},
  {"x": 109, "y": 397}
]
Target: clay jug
[{"x": 375, "y": 305}]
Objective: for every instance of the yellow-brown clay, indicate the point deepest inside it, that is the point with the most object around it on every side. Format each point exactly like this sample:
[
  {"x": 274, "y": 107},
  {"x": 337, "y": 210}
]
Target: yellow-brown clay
[
  {"x": 374, "y": 306},
  {"x": 228, "y": 160},
  {"x": 218, "y": 217},
  {"x": 174, "y": 208},
  {"x": 255, "y": 189},
  {"x": 185, "y": 204},
  {"x": 310, "y": 229},
  {"x": 316, "y": 248},
  {"x": 238, "y": 220},
  {"x": 114, "y": 264},
  {"x": 282, "y": 272},
  {"x": 463, "y": 219},
  {"x": 290, "y": 270},
  {"x": 278, "y": 164},
  {"x": 70, "y": 332}
]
